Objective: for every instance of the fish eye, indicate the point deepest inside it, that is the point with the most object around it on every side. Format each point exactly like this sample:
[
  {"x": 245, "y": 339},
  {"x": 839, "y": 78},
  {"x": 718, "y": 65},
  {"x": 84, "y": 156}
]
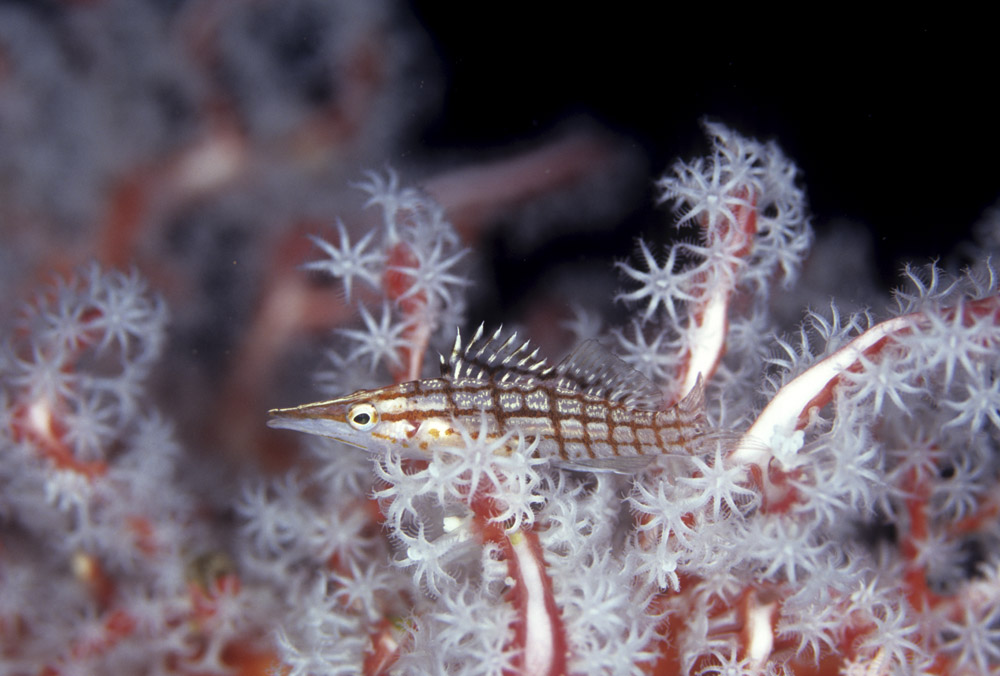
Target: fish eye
[{"x": 362, "y": 417}]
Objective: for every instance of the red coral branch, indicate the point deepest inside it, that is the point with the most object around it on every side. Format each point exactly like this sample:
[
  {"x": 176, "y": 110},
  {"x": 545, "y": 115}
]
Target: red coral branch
[
  {"x": 705, "y": 343},
  {"x": 539, "y": 635}
]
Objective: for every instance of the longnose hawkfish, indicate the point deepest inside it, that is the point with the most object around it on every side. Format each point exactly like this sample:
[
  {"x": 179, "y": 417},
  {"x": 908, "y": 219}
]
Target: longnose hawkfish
[{"x": 591, "y": 412}]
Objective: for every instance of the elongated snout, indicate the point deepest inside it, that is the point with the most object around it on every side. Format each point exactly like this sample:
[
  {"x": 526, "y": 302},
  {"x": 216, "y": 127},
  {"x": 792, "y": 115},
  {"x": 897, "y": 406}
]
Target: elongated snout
[{"x": 325, "y": 418}]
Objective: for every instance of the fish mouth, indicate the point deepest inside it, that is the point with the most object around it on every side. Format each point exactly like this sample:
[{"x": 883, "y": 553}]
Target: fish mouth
[{"x": 323, "y": 418}]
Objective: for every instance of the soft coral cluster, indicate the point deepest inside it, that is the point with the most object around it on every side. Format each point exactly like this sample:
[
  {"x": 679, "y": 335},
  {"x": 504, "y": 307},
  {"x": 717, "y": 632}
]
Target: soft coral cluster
[
  {"x": 105, "y": 563},
  {"x": 841, "y": 516},
  {"x": 758, "y": 552}
]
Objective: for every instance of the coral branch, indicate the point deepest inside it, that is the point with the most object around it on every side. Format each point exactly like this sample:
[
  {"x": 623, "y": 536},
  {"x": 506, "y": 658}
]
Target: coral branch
[{"x": 539, "y": 628}]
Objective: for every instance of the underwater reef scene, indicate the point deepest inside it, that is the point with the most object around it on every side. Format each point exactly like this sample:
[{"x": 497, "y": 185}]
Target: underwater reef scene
[{"x": 559, "y": 405}]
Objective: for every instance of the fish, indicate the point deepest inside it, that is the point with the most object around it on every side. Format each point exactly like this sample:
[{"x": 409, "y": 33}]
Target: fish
[{"x": 591, "y": 412}]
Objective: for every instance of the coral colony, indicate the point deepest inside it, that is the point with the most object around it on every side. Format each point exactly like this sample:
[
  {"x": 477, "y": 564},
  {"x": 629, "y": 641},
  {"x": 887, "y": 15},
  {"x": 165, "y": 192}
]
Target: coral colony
[{"x": 694, "y": 492}]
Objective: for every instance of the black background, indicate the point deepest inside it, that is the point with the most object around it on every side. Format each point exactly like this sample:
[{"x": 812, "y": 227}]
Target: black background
[{"x": 894, "y": 127}]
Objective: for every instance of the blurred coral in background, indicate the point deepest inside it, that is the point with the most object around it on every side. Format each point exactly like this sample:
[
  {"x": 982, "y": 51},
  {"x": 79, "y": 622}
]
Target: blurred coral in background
[{"x": 199, "y": 222}]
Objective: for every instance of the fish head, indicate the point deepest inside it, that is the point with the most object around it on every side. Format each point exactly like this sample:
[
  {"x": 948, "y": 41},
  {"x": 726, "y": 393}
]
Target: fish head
[{"x": 357, "y": 419}]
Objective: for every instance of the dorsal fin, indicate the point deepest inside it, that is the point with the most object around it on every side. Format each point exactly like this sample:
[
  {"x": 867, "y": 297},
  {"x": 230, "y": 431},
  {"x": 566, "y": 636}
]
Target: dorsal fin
[
  {"x": 497, "y": 357},
  {"x": 592, "y": 369}
]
